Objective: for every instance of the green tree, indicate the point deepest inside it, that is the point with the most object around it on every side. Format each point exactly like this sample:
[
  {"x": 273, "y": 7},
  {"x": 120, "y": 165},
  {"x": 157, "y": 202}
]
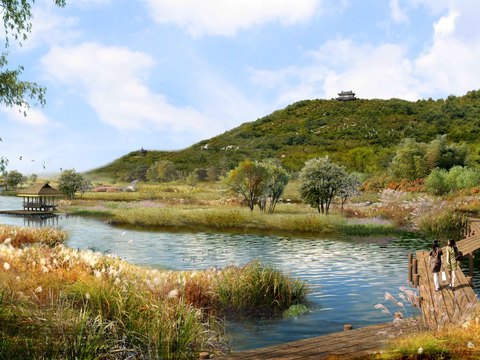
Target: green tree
[
  {"x": 277, "y": 181},
  {"x": 321, "y": 180},
  {"x": 249, "y": 179},
  {"x": 409, "y": 161},
  {"x": 349, "y": 188},
  {"x": 444, "y": 156},
  {"x": 162, "y": 171},
  {"x": 70, "y": 182},
  {"x": 85, "y": 186},
  {"x": 138, "y": 172},
  {"x": 15, "y": 178},
  {"x": 3, "y": 166},
  {"x": 17, "y": 23},
  {"x": 361, "y": 159}
]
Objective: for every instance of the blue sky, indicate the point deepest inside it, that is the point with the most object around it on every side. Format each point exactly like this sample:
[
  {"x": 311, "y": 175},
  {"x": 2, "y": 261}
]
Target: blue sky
[{"x": 165, "y": 74}]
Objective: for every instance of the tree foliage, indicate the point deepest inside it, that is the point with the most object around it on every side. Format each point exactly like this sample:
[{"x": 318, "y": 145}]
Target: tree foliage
[
  {"x": 162, "y": 171},
  {"x": 441, "y": 181},
  {"x": 70, "y": 182},
  {"x": 249, "y": 179},
  {"x": 277, "y": 181},
  {"x": 348, "y": 188},
  {"x": 415, "y": 160},
  {"x": 17, "y": 21},
  {"x": 15, "y": 178},
  {"x": 321, "y": 180}
]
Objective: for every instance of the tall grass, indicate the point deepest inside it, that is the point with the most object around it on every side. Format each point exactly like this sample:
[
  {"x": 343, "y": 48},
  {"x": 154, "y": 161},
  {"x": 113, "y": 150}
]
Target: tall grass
[
  {"x": 57, "y": 302},
  {"x": 231, "y": 218},
  {"x": 17, "y": 236},
  {"x": 456, "y": 343},
  {"x": 257, "y": 288}
]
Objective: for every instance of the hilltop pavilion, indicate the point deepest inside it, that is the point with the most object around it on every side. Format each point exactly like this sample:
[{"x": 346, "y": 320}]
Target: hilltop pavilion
[{"x": 346, "y": 96}]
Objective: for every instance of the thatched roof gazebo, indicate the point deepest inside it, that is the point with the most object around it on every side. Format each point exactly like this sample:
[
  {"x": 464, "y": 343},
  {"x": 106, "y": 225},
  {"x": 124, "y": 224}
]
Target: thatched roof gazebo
[{"x": 40, "y": 198}]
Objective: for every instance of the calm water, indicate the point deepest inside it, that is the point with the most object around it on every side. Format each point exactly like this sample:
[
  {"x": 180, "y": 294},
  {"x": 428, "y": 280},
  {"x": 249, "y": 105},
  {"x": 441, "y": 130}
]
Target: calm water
[{"x": 347, "y": 276}]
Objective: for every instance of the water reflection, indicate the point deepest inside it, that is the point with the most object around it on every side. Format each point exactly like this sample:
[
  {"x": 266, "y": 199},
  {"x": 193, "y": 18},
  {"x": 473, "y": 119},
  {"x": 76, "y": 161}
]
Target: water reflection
[{"x": 347, "y": 276}]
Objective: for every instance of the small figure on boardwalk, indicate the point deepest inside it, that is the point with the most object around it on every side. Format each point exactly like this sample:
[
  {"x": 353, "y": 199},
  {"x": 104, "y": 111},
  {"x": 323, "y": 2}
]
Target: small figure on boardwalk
[
  {"x": 436, "y": 263},
  {"x": 451, "y": 261}
]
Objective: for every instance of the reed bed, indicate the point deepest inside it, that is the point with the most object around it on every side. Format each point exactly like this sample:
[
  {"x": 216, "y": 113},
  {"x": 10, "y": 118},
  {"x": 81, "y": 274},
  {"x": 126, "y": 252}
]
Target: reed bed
[
  {"x": 18, "y": 236},
  {"x": 234, "y": 218},
  {"x": 57, "y": 302}
]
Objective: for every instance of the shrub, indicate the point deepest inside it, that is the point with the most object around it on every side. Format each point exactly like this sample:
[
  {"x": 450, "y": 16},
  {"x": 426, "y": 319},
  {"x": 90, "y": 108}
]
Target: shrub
[
  {"x": 436, "y": 183},
  {"x": 257, "y": 288},
  {"x": 442, "y": 224}
]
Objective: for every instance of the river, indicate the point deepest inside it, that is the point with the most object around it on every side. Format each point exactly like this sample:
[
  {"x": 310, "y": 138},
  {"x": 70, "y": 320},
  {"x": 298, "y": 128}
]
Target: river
[{"x": 347, "y": 276}]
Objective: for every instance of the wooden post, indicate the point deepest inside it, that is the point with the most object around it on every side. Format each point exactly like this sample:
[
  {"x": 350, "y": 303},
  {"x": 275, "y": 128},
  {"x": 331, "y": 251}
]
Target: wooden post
[
  {"x": 347, "y": 327},
  {"x": 416, "y": 280},
  {"x": 410, "y": 259},
  {"x": 414, "y": 271},
  {"x": 204, "y": 355},
  {"x": 470, "y": 265}
]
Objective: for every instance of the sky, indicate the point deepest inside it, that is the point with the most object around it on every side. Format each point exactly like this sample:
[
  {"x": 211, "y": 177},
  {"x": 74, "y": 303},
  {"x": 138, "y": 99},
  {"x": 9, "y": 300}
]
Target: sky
[{"x": 165, "y": 74}]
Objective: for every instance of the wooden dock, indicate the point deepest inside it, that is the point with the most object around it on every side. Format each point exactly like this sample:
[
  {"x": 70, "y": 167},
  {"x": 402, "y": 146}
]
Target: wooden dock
[
  {"x": 28, "y": 213},
  {"x": 440, "y": 308},
  {"x": 350, "y": 344}
]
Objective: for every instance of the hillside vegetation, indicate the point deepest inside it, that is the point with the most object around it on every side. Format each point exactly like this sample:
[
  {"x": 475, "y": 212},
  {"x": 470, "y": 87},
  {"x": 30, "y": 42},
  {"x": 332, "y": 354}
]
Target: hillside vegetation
[{"x": 361, "y": 135}]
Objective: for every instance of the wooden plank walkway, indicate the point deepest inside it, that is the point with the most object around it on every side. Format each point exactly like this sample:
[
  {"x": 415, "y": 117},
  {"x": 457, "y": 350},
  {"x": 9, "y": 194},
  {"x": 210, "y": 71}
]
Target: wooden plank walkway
[
  {"x": 443, "y": 307},
  {"x": 351, "y": 344}
]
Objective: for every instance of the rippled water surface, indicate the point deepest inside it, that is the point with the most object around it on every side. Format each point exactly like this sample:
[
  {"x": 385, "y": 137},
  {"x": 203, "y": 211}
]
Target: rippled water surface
[{"x": 347, "y": 276}]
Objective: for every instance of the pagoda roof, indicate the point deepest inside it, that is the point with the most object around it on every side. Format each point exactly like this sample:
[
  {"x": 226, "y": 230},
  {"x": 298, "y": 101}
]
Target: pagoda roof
[
  {"x": 43, "y": 189},
  {"x": 349, "y": 92}
]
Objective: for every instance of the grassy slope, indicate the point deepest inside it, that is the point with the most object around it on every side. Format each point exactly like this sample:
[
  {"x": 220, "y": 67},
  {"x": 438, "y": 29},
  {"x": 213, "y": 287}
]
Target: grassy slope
[{"x": 361, "y": 135}]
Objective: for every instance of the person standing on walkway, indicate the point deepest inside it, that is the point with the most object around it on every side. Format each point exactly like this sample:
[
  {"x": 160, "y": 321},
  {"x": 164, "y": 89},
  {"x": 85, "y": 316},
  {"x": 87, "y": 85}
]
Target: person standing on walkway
[
  {"x": 451, "y": 261},
  {"x": 436, "y": 263}
]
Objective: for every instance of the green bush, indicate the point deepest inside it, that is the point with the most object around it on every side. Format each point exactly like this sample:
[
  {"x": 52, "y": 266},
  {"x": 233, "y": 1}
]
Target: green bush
[
  {"x": 436, "y": 183},
  {"x": 443, "y": 224}
]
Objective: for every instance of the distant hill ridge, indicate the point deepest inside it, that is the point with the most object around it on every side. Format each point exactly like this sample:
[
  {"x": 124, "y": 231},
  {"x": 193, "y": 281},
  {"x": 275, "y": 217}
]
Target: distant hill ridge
[{"x": 360, "y": 134}]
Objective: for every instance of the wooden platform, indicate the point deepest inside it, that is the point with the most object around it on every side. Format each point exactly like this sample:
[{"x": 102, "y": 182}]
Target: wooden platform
[
  {"x": 350, "y": 344},
  {"x": 28, "y": 213}
]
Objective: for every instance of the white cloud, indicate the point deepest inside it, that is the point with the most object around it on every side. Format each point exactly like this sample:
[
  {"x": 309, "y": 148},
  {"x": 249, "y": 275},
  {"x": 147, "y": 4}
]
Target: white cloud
[
  {"x": 398, "y": 14},
  {"x": 113, "y": 81},
  {"x": 446, "y": 25},
  {"x": 226, "y": 17},
  {"x": 450, "y": 64},
  {"x": 33, "y": 116},
  {"x": 447, "y": 65},
  {"x": 372, "y": 72}
]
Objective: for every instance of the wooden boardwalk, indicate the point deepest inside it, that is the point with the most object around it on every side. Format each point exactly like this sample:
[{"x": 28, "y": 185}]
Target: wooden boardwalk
[
  {"x": 443, "y": 307},
  {"x": 351, "y": 344}
]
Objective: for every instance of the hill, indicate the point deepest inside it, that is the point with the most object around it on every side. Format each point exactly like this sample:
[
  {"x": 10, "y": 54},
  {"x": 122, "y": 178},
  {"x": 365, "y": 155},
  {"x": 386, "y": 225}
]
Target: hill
[{"x": 360, "y": 134}]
